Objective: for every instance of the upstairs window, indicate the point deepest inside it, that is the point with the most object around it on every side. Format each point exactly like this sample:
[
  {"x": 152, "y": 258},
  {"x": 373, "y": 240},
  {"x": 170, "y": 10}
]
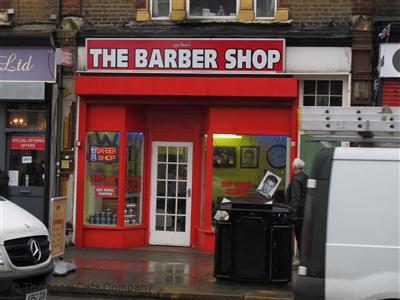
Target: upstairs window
[
  {"x": 323, "y": 93},
  {"x": 212, "y": 8},
  {"x": 265, "y": 9},
  {"x": 160, "y": 9}
]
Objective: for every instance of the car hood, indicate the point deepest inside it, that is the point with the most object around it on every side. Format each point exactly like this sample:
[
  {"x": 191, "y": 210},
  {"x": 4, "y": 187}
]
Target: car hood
[{"x": 15, "y": 222}]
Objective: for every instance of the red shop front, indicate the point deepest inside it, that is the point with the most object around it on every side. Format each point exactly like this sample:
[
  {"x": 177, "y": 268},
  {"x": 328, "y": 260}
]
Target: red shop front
[{"x": 157, "y": 153}]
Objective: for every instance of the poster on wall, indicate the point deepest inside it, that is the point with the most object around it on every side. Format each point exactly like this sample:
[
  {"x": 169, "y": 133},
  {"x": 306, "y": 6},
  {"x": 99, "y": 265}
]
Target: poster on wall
[
  {"x": 269, "y": 184},
  {"x": 13, "y": 177},
  {"x": 224, "y": 157}
]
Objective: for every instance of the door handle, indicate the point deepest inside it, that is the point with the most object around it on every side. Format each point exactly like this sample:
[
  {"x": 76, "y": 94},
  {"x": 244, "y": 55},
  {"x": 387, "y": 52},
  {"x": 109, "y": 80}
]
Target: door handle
[{"x": 189, "y": 192}]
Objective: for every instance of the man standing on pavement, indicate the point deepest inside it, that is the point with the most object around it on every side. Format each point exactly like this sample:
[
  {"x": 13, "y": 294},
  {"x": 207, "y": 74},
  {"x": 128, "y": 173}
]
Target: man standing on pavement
[{"x": 296, "y": 197}]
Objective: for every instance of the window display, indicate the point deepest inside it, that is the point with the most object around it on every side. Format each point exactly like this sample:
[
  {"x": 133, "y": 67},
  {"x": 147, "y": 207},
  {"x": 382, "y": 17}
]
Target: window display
[
  {"x": 256, "y": 156},
  {"x": 26, "y": 116},
  {"x": 134, "y": 179},
  {"x": 212, "y": 8},
  {"x": 101, "y": 180},
  {"x": 27, "y": 157}
]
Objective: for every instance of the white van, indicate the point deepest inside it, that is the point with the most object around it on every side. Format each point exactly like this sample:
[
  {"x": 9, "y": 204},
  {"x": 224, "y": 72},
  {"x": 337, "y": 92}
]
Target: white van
[
  {"x": 351, "y": 231},
  {"x": 25, "y": 261}
]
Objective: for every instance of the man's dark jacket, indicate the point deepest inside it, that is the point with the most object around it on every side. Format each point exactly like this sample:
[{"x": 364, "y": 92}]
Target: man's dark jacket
[{"x": 296, "y": 194}]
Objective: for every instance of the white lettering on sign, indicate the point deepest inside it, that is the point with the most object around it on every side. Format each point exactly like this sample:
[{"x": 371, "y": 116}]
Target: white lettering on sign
[
  {"x": 12, "y": 63},
  {"x": 183, "y": 58},
  {"x": 176, "y": 58},
  {"x": 114, "y": 58},
  {"x": 259, "y": 59}
]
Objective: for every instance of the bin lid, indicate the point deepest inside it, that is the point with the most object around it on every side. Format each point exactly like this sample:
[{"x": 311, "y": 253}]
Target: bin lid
[
  {"x": 255, "y": 204},
  {"x": 252, "y": 203}
]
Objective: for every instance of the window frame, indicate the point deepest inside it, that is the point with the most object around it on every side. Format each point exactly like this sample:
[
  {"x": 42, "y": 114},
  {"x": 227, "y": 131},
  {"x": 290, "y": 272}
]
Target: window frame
[
  {"x": 265, "y": 18},
  {"x": 345, "y": 87},
  {"x": 160, "y": 18},
  {"x": 140, "y": 222},
  {"x": 212, "y": 17}
]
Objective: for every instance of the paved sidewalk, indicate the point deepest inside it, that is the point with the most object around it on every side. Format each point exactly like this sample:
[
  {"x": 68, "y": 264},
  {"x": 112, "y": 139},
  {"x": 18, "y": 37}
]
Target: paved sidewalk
[{"x": 155, "y": 272}]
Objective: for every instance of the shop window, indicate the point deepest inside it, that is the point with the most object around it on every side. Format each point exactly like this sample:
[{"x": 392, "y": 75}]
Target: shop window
[
  {"x": 265, "y": 9},
  {"x": 323, "y": 93},
  {"x": 27, "y": 160},
  {"x": 212, "y": 8},
  {"x": 241, "y": 164},
  {"x": 26, "y": 116},
  {"x": 101, "y": 178},
  {"x": 134, "y": 179},
  {"x": 160, "y": 9}
]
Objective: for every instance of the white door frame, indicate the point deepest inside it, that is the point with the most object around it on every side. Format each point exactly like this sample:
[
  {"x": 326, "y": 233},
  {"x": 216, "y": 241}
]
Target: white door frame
[{"x": 163, "y": 237}]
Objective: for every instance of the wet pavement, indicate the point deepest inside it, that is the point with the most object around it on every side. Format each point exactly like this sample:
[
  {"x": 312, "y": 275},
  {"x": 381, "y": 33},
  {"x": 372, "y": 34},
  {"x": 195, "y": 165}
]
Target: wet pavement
[{"x": 155, "y": 272}]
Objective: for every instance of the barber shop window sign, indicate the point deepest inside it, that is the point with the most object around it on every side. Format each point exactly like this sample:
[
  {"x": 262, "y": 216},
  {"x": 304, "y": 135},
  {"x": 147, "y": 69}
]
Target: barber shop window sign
[
  {"x": 27, "y": 64},
  {"x": 103, "y": 153}
]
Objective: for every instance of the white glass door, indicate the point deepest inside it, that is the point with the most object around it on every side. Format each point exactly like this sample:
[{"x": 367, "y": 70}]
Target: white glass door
[{"x": 171, "y": 193}]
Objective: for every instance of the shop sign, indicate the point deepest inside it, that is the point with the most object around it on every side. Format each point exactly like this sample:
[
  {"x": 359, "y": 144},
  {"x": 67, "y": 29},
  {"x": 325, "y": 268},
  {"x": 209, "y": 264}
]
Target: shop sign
[
  {"x": 28, "y": 143},
  {"x": 258, "y": 56},
  {"x": 103, "y": 154},
  {"x": 389, "y": 60},
  {"x": 58, "y": 211},
  {"x": 27, "y": 64},
  {"x": 105, "y": 191}
]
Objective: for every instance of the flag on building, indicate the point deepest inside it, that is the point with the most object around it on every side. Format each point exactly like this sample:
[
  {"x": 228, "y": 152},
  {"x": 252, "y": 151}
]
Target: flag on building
[
  {"x": 381, "y": 62},
  {"x": 385, "y": 32}
]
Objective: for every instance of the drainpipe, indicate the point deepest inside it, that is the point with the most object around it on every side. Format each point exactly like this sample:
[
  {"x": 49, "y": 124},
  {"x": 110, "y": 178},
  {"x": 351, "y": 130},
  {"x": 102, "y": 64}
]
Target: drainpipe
[
  {"x": 59, "y": 11},
  {"x": 59, "y": 109}
]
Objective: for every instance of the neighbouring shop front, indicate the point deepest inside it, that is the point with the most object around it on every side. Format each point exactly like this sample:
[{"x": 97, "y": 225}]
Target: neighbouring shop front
[
  {"x": 167, "y": 128},
  {"x": 26, "y": 77}
]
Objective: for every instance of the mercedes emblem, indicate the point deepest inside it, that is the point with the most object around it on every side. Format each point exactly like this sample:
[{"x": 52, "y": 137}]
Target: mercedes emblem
[{"x": 35, "y": 250}]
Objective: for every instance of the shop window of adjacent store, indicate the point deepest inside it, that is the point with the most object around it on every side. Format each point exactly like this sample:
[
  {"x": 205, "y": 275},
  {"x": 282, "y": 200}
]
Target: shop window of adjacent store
[
  {"x": 134, "y": 179},
  {"x": 27, "y": 160},
  {"x": 101, "y": 178},
  {"x": 160, "y": 9},
  {"x": 212, "y": 8},
  {"x": 248, "y": 166},
  {"x": 265, "y": 9},
  {"x": 323, "y": 93},
  {"x": 26, "y": 116}
]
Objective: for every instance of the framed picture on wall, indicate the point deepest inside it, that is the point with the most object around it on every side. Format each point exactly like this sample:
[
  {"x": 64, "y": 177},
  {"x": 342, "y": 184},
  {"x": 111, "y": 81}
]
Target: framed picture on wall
[
  {"x": 249, "y": 156},
  {"x": 224, "y": 157},
  {"x": 276, "y": 156}
]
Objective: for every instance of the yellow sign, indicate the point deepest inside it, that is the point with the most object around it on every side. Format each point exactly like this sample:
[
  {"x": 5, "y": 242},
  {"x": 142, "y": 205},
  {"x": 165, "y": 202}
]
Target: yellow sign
[{"x": 58, "y": 215}]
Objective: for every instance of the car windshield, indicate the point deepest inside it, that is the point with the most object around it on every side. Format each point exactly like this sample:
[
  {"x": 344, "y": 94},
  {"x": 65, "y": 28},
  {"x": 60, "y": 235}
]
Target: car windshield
[{"x": 2, "y": 199}]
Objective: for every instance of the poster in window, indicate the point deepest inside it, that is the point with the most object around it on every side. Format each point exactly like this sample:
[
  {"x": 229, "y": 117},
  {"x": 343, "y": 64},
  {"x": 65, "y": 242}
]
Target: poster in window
[
  {"x": 269, "y": 184},
  {"x": 224, "y": 157},
  {"x": 249, "y": 157}
]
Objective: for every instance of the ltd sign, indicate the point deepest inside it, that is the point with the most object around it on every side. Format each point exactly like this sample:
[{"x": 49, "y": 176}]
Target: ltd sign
[
  {"x": 27, "y": 64},
  {"x": 259, "y": 56}
]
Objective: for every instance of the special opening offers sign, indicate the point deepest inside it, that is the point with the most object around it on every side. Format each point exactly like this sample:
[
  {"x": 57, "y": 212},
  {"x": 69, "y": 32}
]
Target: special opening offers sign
[
  {"x": 28, "y": 142},
  {"x": 258, "y": 56}
]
